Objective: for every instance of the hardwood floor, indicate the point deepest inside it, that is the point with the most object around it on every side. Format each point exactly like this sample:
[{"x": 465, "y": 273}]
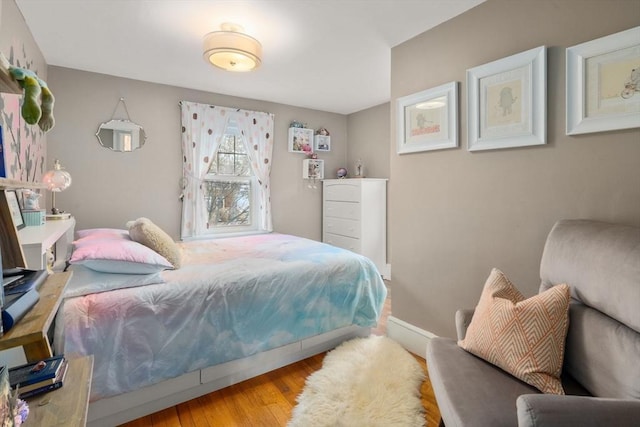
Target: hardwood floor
[{"x": 266, "y": 400}]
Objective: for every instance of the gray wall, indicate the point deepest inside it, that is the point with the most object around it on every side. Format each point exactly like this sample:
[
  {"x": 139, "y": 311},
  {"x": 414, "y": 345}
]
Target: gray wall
[
  {"x": 111, "y": 188},
  {"x": 368, "y": 132},
  {"x": 455, "y": 214}
]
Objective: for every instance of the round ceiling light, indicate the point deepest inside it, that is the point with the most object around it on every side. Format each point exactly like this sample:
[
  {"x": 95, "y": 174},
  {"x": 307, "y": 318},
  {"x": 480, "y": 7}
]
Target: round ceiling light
[{"x": 232, "y": 50}]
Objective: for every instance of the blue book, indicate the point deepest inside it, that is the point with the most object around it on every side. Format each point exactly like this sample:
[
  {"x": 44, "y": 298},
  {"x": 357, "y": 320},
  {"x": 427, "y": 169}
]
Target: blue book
[
  {"x": 41, "y": 390},
  {"x": 16, "y": 306},
  {"x": 36, "y": 372},
  {"x": 31, "y": 279},
  {"x": 45, "y": 386}
]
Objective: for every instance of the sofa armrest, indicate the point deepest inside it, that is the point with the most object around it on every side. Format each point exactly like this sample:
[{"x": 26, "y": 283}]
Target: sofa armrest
[
  {"x": 463, "y": 319},
  {"x": 536, "y": 410}
]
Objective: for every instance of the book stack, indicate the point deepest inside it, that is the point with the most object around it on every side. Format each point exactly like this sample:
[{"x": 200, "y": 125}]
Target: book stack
[{"x": 38, "y": 377}]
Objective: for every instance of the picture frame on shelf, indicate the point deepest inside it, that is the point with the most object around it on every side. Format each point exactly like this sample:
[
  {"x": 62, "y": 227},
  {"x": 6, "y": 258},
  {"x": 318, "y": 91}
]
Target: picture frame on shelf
[
  {"x": 428, "y": 120},
  {"x": 14, "y": 208},
  {"x": 313, "y": 169},
  {"x": 603, "y": 83},
  {"x": 300, "y": 140},
  {"x": 507, "y": 102},
  {"x": 322, "y": 143},
  {"x": 3, "y": 165}
]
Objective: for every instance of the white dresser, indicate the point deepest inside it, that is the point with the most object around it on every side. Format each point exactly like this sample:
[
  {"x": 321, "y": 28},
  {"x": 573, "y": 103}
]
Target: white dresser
[{"x": 354, "y": 217}]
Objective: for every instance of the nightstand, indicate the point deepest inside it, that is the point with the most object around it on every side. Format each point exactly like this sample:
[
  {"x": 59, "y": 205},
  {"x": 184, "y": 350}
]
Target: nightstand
[
  {"x": 68, "y": 405},
  {"x": 30, "y": 332}
]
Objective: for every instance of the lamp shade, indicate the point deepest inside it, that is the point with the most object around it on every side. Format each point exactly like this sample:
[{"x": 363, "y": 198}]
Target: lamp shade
[
  {"x": 57, "y": 179},
  {"x": 232, "y": 50}
]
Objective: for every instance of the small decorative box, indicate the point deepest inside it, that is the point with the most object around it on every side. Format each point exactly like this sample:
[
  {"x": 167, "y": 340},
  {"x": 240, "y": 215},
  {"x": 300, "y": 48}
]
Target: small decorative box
[{"x": 34, "y": 217}]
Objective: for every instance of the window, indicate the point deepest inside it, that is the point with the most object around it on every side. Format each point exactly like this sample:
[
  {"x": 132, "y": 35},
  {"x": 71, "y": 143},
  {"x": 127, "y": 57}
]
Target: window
[
  {"x": 229, "y": 187},
  {"x": 225, "y": 187}
]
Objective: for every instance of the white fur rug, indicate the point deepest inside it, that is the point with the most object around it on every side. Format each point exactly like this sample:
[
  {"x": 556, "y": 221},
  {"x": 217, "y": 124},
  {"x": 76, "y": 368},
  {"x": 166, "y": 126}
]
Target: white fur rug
[{"x": 363, "y": 382}]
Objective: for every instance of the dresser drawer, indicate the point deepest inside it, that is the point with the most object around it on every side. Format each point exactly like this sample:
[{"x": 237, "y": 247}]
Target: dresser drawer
[
  {"x": 346, "y": 210},
  {"x": 342, "y": 242},
  {"x": 343, "y": 227},
  {"x": 345, "y": 192}
]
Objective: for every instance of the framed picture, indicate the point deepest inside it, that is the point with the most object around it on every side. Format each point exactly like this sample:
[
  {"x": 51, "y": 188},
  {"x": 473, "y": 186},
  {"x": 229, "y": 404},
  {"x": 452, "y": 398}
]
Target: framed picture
[
  {"x": 507, "y": 102},
  {"x": 322, "y": 143},
  {"x": 313, "y": 169},
  {"x": 603, "y": 83},
  {"x": 14, "y": 208},
  {"x": 3, "y": 166},
  {"x": 301, "y": 140},
  {"x": 428, "y": 120}
]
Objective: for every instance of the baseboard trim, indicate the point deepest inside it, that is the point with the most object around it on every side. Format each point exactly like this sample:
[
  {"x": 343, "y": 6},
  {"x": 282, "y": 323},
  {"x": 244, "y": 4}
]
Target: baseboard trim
[
  {"x": 386, "y": 273},
  {"x": 409, "y": 336}
]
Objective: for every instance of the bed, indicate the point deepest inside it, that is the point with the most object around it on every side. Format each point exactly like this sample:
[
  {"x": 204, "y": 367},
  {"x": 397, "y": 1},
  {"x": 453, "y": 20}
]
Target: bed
[{"x": 236, "y": 308}]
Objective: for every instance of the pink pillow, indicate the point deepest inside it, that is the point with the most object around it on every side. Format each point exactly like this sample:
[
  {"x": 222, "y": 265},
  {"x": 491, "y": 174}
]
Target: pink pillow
[
  {"x": 115, "y": 254},
  {"x": 523, "y": 336},
  {"x": 92, "y": 233}
]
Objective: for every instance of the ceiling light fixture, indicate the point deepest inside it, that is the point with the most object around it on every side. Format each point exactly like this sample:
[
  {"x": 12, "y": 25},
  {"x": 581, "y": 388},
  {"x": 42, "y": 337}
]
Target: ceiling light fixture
[{"x": 231, "y": 49}]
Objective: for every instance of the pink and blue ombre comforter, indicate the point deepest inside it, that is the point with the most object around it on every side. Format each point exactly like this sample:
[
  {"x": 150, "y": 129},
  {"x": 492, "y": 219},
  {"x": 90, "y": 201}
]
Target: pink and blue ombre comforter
[{"x": 232, "y": 298}]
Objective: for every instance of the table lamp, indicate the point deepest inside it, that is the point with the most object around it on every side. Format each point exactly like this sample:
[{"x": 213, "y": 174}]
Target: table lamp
[{"x": 56, "y": 180}]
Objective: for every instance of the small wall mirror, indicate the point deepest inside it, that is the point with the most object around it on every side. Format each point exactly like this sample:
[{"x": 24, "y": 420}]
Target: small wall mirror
[{"x": 121, "y": 135}]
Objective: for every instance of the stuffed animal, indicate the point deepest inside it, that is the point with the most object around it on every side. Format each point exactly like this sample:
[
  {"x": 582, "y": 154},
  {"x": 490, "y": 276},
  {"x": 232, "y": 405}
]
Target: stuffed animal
[
  {"x": 31, "y": 201},
  {"x": 37, "y": 105}
]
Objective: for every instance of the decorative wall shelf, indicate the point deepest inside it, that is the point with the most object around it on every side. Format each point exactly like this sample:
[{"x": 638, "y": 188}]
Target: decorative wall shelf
[
  {"x": 7, "y": 83},
  {"x": 8, "y": 184}
]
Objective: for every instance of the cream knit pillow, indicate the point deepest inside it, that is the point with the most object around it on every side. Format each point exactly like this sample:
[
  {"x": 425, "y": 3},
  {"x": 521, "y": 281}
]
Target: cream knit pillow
[
  {"x": 524, "y": 337},
  {"x": 143, "y": 231}
]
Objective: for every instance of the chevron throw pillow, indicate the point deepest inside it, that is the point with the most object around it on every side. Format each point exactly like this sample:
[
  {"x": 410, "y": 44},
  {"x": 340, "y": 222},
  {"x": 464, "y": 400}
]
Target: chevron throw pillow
[{"x": 524, "y": 337}]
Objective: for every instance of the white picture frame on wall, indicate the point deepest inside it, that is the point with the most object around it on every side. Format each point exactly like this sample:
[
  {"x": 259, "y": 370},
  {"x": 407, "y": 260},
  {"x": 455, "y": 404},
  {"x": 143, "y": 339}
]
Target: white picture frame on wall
[
  {"x": 603, "y": 84},
  {"x": 507, "y": 102},
  {"x": 428, "y": 120},
  {"x": 301, "y": 140}
]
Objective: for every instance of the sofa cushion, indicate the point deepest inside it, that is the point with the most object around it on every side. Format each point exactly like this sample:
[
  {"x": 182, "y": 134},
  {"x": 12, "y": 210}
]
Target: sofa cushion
[
  {"x": 602, "y": 354},
  {"x": 536, "y": 410},
  {"x": 525, "y": 337},
  {"x": 470, "y": 391},
  {"x": 599, "y": 261}
]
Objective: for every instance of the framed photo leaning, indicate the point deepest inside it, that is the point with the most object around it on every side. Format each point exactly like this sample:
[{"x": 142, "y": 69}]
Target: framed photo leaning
[
  {"x": 603, "y": 83},
  {"x": 14, "y": 208},
  {"x": 428, "y": 120},
  {"x": 3, "y": 168},
  {"x": 507, "y": 102}
]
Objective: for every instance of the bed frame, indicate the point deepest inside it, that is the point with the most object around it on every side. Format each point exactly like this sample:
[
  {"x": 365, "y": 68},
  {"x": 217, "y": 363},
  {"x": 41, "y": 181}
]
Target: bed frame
[{"x": 138, "y": 403}]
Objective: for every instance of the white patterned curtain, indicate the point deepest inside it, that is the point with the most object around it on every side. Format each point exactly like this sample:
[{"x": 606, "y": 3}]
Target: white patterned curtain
[
  {"x": 203, "y": 127},
  {"x": 257, "y": 135}
]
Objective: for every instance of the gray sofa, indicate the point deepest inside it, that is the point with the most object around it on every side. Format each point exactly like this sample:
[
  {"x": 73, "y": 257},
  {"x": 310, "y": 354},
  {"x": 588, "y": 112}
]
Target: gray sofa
[{"x": 601, "y": 370}]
